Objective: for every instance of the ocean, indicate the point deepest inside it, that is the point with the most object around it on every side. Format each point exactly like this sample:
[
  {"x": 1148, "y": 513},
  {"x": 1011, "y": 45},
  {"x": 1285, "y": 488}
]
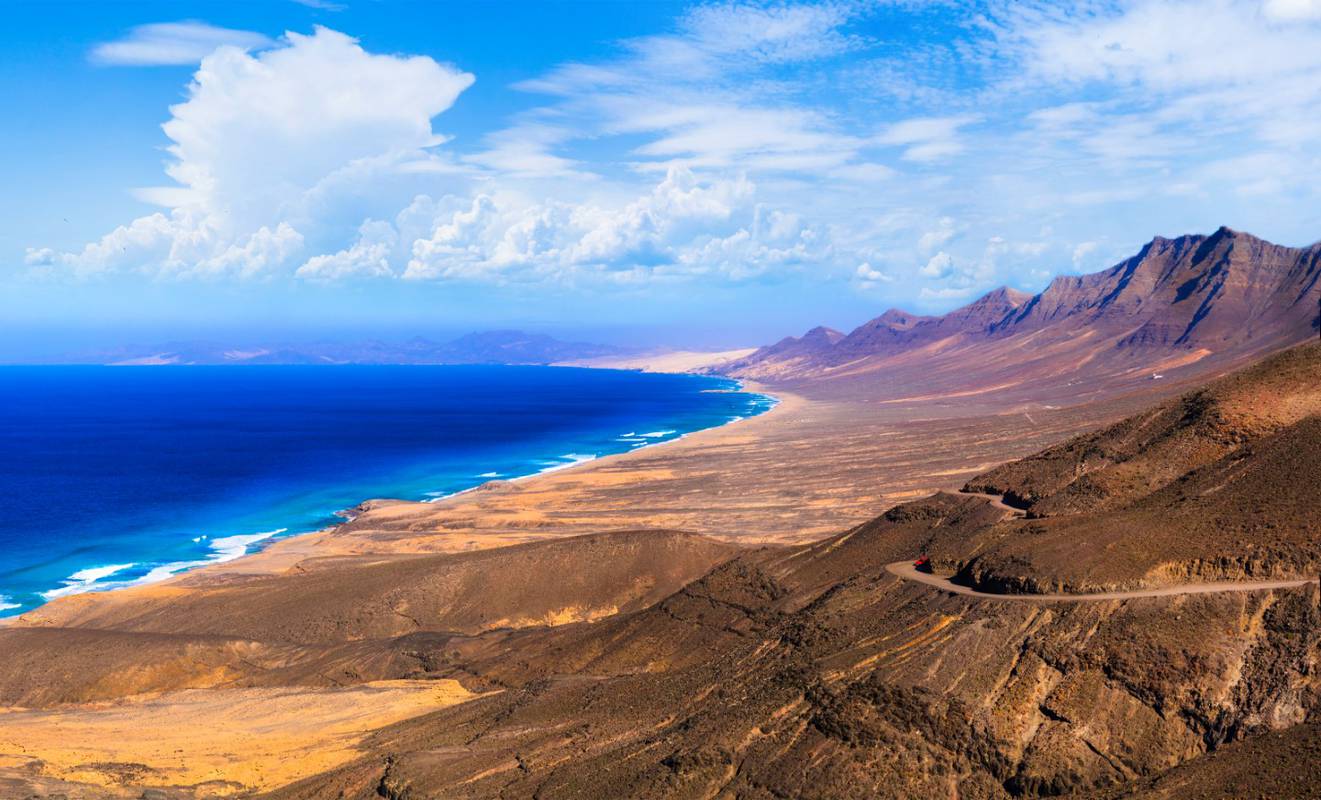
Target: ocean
[{"x": 116, "y": 476}]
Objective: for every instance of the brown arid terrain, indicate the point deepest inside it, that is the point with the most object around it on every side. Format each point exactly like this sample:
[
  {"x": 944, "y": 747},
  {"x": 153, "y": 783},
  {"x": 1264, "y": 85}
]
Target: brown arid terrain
[
  {"x": 1173, "y": 305},
  {"x": 729, "y": 615}
]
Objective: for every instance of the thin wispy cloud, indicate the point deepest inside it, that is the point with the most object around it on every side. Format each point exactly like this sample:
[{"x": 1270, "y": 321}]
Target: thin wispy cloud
[
  {"x": 322, "y": 5},
  {"x": 173, "y": 44}
]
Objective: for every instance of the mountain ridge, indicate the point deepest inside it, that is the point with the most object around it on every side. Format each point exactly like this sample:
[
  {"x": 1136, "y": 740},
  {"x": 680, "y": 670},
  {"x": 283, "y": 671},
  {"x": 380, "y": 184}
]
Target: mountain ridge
[{"x": 1223, "y": 297}]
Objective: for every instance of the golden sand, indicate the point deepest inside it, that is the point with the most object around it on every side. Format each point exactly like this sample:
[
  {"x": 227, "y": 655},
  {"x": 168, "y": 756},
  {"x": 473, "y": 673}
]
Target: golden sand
[{"x": 235, "y": 739}]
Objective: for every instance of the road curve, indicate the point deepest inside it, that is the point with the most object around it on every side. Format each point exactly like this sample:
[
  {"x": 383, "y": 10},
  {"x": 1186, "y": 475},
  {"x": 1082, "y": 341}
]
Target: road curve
[
  {"x": 998, "y": 501},
  {"x": 906, "y": 571}
]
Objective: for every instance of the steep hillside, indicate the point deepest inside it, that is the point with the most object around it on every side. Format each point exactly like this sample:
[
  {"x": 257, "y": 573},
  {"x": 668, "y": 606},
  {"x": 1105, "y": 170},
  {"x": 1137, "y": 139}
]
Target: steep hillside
[
  {"x": 814, "y": 672},
  {"x": 336, "y": 619},
  {"x": 1215, "y": 484},
  {"x": 1178, "y": 309},
  {"x": 1123, "y": 462},
  {"x": 348, "y": 599}
]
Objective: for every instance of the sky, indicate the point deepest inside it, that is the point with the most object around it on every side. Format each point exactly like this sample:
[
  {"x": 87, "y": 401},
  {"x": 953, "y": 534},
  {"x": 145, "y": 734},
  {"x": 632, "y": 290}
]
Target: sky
[{"x": 658, "y": 173}]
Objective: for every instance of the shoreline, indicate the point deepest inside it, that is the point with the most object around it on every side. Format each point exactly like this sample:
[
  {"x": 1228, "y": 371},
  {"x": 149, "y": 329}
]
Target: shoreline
[
  {"x": 273, "y": 542},
  {"x": 282, "y": 554}
]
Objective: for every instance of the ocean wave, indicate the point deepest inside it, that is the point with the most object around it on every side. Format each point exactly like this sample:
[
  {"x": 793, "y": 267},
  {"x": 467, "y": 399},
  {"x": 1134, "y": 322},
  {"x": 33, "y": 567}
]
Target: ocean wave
[
  {"x": 565, "y": 461},
  {"x": 490, "y": 474},
  {"x": 226, "y": 548},
  {"x": 657, "y": 434},
  {"x": 7, "y": 603},
  {"x": 84, "y": 579},
  {"x": 229, "y": 548}
]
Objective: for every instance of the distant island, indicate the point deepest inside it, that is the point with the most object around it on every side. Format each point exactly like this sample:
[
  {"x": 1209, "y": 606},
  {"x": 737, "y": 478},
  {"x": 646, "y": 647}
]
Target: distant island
[{"x": 486, "y": 347}]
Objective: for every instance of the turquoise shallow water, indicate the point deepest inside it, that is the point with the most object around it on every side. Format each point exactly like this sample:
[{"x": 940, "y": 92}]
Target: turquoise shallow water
[{"x": 117, "y": 476}]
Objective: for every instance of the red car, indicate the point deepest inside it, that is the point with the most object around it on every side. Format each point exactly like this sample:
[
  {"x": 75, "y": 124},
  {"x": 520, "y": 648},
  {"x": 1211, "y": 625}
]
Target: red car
[{"x": 923, "y": 564}]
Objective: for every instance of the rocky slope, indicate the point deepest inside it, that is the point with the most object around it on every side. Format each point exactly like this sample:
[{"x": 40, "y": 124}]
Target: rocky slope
[
  {"x": 1275, "y": 765},
  {"x": 813, "y": 672},
  {"x": 1179, "y": 308},
  {"x": 1122, "y": 462},
  {"x": 1215, "y": 484},
  {"x": 697, "y": 670}
]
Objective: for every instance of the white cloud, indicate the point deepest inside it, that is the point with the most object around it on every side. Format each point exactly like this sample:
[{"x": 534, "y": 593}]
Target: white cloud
[
  {"x": 941, "y": 265},
  {"x": 1081, "y": 252},
  {"x": 751, "y": 140},
  {"x": 682, "y": 226},
  {"x": 368, "y": 256},
  {"x": 1167, "y": 45},
  {"x": 526, "y": 151},
  {"x": 927, "y": 138},
  {"x": 40, "y": 257},
  {"x": 938, "y": 236},
  {"x": 701, "y": 98},
  {"x": 322, "y": 5},
  {"x": 946, "y": 293},
  {"x": 174, "y": 43},
  {"x": 766, "y": 34},
  {"x": 868, "y": 277},
  {"x": 1292, "y": 10},
  {"x": 269, "y": 149}
]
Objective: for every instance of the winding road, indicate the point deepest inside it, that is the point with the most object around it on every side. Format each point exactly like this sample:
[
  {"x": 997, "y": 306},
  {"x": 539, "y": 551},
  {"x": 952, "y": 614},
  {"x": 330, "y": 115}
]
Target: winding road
[
  {"x": 906, "y": 571},
  {"x": 998, "y": 501}
]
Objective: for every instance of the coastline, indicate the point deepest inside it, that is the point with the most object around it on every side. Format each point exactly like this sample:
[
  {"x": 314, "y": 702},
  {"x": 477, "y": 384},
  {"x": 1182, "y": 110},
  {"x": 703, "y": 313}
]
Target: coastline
[
  {"x": 805, "y": 469},
  {"x": 282, "y": 554},
  {"x": 273, "y": 552}
]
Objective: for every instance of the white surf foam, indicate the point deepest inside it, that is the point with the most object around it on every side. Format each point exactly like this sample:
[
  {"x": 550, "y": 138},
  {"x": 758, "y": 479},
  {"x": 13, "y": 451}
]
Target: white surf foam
[
  {"x": 565, "y": 461},
  {"x": 490, "y": 475},
  {"x": 7, "y": 603},
  {"x": 97, "y": 573},
  {"x": 656, "y": 434},
  {"x": 229, "y": 548},
  {"x": 84, "y": 580},
  {"x": 226, "y": 548}
]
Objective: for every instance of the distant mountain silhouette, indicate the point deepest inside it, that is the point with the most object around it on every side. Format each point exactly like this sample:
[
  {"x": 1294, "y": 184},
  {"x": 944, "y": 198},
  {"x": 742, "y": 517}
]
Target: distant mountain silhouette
[
  {"x": 487, "y": 347},
  {"x": 1194, "y": 300}
]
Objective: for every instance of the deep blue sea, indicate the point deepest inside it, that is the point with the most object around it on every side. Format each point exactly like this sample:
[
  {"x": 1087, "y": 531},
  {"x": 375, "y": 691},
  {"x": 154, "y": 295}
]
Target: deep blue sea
[{"x": 112, "y": 476}]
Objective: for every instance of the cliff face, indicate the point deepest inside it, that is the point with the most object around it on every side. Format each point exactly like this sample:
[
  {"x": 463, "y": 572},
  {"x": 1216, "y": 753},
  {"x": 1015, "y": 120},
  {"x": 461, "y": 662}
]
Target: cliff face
[{"x": 1184, "y": 306}]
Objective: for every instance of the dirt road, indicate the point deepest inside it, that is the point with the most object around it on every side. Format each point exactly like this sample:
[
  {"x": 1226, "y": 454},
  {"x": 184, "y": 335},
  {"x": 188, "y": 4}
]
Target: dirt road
[{"x": 906, "y": 570}]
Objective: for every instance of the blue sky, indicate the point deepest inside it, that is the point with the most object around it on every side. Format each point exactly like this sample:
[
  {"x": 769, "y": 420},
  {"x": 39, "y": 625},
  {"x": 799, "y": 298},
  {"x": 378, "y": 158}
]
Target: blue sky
[{"x": 690, "y": 174}]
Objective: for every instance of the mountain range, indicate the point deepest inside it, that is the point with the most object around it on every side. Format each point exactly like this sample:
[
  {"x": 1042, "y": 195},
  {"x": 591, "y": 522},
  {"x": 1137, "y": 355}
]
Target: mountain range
[
  {"x": 487, "y": 347},
  {"x": 1219, "y": 299}
]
